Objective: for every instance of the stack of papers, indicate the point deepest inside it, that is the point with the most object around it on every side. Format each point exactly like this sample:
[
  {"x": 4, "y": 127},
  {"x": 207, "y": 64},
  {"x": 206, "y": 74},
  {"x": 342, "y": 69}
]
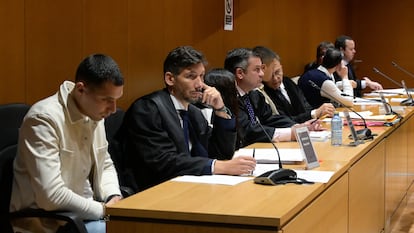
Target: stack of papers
[
  {"x": 319, "y": 136},
  {"x": 269, "y": 155},
  {"x": 368, "y": 116}
]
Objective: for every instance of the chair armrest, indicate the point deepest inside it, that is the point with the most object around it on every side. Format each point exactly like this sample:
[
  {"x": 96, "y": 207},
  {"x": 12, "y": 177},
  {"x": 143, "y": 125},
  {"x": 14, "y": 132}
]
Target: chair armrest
[
  {"x": 74, "y": 221},
  {"x": 126, "y": 191}
]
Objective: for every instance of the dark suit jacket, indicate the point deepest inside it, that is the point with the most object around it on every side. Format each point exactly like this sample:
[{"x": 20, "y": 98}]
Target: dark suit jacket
[
  {"x": 251, "y": 133},
  {"x": 351, "y": 76},
  {"x": 298, "y": 109},
  {"x": 154, "y": 142}
]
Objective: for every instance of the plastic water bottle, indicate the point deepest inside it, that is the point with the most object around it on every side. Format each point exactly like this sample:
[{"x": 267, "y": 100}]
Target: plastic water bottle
[{"x": 336, "y": 130}]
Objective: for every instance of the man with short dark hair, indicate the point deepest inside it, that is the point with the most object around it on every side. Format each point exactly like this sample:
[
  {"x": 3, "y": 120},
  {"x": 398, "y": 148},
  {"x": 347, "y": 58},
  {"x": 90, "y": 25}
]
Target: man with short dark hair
[
  {"x": 347, "y": 47},
  {"x": 165, "y": 134},
  {"x": 62, "y": 161},
  {"x": 247, "y": 68},
  {"x": 283, "y": 95},
  {"x": 322, "y": 77}
]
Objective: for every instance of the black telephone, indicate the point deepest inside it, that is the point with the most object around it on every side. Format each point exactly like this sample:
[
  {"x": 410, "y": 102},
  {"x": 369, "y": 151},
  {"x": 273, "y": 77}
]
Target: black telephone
[{"x": 280, "y": 176}]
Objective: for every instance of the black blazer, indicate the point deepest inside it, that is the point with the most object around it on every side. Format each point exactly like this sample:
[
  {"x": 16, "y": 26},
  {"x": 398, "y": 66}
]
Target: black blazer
[
  {"x": 250, "y": 133},
  {"x": 154, "y": 142},
  {"x": 352, "y": 76},
  {"x": 298, "y": 109}
]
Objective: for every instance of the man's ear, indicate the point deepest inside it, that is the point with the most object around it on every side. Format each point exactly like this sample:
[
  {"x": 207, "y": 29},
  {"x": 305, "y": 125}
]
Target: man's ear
[
  {"x": 80, "y": 87},
  {"x": 169, "y": 78},
  {"x": 239, "y": 73}
]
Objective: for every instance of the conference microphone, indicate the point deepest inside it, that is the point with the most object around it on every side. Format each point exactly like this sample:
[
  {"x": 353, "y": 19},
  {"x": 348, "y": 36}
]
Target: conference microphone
[
  {"x": 402, "y": 69},
  {"x": 386, "y": 76},
  {"x": 409, "y": 100},
  {"x": 362, "y": 134},
  {"x": 278, "y": 176}
]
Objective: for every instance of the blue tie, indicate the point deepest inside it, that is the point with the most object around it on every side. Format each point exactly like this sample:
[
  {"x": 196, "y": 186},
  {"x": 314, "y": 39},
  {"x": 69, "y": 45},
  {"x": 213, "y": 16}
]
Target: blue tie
[
  {"x": 249, "y": 108},
  {"x": 184, "y": 117}
]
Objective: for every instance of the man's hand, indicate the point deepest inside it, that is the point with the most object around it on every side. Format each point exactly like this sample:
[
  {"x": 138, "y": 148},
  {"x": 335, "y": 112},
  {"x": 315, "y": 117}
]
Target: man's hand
[
  {"x": 325, "y": 109},
  {"x": 240, "y": 165},
  {"x": 113, "y": 200},
  {"x": 373, "y": 85},
  {"x": 342, "y": 71}
]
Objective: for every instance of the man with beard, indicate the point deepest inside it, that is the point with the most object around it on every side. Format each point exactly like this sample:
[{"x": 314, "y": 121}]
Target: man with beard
[{"x": 165, "y": 135}]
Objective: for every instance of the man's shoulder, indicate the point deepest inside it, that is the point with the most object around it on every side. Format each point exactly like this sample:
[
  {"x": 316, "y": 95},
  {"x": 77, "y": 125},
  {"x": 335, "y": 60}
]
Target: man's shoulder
[{"x": 49, "y": 106}]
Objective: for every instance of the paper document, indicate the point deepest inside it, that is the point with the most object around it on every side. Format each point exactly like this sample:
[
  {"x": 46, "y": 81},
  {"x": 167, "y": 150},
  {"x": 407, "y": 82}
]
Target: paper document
[
  {"x": 319, "y": 136},
  {"x": 213, "y": 179},
  {"x": 269, "y": 155},
  {"x": 353, "y": 115},
  {"x": 315, "y": 176}
]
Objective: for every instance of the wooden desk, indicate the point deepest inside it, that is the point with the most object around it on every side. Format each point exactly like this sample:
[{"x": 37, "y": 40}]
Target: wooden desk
[{"x": 360, "y": 197}]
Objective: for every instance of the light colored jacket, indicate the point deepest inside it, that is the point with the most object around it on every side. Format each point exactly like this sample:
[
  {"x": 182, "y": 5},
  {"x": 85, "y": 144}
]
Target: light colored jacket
[{"x": 58, "y": 150}]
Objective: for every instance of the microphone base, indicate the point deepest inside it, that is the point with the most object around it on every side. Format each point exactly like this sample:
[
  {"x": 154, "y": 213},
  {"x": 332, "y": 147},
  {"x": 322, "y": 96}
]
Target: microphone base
[
  {"x": 364, "y": 134},
  {"x": 278, "y": 176},
  {"x": 407, "y": 102}
]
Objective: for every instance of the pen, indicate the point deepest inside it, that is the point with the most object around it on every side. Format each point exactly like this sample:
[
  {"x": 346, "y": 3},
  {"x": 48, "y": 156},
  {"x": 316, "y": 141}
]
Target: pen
[
  {"x": 254, "y": 151},
  {"x": 319, "y": 118}
]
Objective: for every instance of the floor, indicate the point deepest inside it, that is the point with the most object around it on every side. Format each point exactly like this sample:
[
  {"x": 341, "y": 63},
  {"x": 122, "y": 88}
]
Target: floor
[{"x": 406, "y": 221}]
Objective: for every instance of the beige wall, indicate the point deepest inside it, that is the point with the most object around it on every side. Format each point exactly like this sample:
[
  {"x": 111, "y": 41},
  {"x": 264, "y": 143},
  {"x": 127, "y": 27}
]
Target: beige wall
[{"x": 43, "y": 41}]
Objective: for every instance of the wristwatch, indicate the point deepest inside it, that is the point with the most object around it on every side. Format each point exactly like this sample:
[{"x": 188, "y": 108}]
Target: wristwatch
[{"x": 224, "y": 109}]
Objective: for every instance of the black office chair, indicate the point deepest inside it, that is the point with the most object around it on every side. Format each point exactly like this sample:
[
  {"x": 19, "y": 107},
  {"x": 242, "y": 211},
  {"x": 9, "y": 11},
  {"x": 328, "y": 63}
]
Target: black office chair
[
  {"x": 112, "y": 125},
  {"x": 11, "y": 117}
]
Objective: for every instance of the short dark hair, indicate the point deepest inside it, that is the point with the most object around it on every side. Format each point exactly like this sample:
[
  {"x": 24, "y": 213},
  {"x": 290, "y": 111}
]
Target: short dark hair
[
  {"x": 322, "y": 47},
  {"x": 238, "y": 58},
  {"x": 97, "y": 69},
  {"x": 340, "y": 41},
  {"x": 182, "y": 57},
  {"x": 266, "y": 54},
  {"x": 332, "y": 58}
]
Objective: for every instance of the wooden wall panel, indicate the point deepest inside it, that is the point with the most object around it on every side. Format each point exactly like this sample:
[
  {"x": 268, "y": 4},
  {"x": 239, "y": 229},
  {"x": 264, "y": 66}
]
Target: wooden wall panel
[
  {"x": 145, "y": 48},
  {"x": 383, "y": 33},
  {"x": 139, "y": 34},
  {"x": 105, "y": 30},
  {"x": 12, "y": 60},
  {"x": 53, "y": 36}
]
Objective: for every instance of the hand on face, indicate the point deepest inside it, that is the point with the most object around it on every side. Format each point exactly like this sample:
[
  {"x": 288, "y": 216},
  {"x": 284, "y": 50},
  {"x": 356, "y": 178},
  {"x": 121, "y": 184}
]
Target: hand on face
[
  {"x": 342, "y": 71},
  {"x": 211, "y": 96}
]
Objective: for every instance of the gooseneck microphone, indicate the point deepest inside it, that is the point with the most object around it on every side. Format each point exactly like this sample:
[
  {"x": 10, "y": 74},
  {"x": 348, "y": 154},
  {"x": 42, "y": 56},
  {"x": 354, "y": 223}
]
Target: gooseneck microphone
[
  {"x": 270, "y": 140},
  {"x": 409, "y": 100},
  {"x": 278, "y": 176},
  {"x": 363, "y": 134},
  {"x": 402, "y": 69},
  {"x": 386, "y": 76}
]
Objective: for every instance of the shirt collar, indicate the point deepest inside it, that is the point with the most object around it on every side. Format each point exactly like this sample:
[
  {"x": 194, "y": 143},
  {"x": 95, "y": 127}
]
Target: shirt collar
[
  {"x": 240, "y": 91},
  {"x": 324, "y": 70},
  {"x": 69, "y": 104},
  {"x": 177, "y": 105}
]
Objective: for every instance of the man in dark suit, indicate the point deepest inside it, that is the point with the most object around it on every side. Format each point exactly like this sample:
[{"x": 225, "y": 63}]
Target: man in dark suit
[
  {"x": 166, "y": 136},
  {"x": 283, "y": 95},
  {"x": 347, "y": 47},
  {"x": 247, "y": 68}
]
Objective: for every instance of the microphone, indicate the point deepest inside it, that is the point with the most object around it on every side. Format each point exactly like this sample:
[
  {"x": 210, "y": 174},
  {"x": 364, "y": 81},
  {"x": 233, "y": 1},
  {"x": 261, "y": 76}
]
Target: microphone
[
  {"x": 386, "y": 76},
  {"x": 363, "y": 134},
  {"x": 278, "y": 176},
  {"x": 409, "y": 100},
  {"x": 402, "y": 69}
]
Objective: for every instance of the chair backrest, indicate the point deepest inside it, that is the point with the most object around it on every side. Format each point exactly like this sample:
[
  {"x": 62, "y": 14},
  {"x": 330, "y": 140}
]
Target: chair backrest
[
  {"x": 112, "y": 125},
  {"x": 11, "y": 117},
  {"x": 7, "y": 156}
]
